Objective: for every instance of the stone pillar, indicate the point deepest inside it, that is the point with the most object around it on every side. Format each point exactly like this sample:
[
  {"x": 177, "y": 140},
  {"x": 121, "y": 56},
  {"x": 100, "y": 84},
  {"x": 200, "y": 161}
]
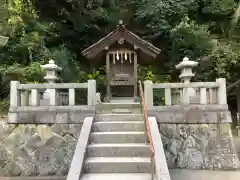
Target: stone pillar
[
  {"x": 148, "y": 92},
  {"x": 222, "y": 91},
  {"x": 14, "y": 101},
  {"x": 108, "y": 77},
  {"x": 71, "y": 97},
  {"x": 14, "y": 94},
  {"x": 24, "y": 98},
  {"x": 203, "y": 96},
  {"x": 35, "y": 100},
  {"x": 238, "y": 110},
  {"x": 135, "y": 76},
  {"x": 91, "y": 92},
  {"x": 186, "y": 74},
  {"x": 168, "y": 97},
  {"x": 50, "y": 95}
]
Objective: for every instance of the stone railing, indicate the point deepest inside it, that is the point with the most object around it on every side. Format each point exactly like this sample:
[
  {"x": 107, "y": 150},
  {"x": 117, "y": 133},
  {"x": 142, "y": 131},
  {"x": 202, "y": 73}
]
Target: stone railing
[
  {"x": 63, "y": 98},
  {"x": 26, "y": 105},
  {"x": 193, "y": 102},
  {"x": 188, "y": 93}
]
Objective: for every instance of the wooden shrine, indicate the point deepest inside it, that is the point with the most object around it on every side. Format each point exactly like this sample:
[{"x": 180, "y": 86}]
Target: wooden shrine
[{"x": 121, "y": 51}]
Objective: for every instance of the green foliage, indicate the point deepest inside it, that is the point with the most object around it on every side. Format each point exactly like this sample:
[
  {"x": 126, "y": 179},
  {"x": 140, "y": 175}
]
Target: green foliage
[
  {"x": 223, "y": 62},
  {"x": 204, "y": 30},
  {"x": 161, "y": 16},
  {"x": 4, "y": 105},
  {"x": 145, "y": 73},
  {"x": 191, "y": 39},
  {"x": 99, "y": 76},
  {"x": 71, "y": 69}
]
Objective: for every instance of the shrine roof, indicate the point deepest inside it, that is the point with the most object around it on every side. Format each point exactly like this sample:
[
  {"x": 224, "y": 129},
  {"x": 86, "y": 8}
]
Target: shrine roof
[
  {"x": 233, "y": 86},
  {"x": 121, "y": 33}
]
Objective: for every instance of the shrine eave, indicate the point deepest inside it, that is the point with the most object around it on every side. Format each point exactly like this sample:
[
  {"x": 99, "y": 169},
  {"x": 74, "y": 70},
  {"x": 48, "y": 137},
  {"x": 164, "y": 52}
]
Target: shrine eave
[{"x": 121, "y": 33}]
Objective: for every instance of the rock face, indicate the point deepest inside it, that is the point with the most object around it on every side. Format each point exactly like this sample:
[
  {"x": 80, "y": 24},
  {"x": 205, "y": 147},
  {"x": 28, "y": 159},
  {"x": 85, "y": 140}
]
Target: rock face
[
  {"x": 37, "y": 150},
  {"x": 199, "y": 146}
]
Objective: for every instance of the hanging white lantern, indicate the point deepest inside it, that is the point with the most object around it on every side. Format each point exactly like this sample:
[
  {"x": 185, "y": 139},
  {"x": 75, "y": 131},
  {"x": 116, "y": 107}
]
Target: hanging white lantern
[
  {"x": 125, "y": 56},
  {"x": 117, "y": 56}
]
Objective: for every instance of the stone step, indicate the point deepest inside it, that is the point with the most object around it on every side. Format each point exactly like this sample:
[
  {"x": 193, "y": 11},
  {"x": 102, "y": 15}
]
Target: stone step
[
  {"x": 118, "y": 111},
  {"x": 117, "y": 165},
  {"x": 116, "y": 176},
  {"x": 119, "y": 117},
  {"x": 118, "y": 137},
  {"x": 119, "y": 150},
  {"x": 118, "y": 126},
  {"x": 118, "y": 106},
  {"x": 121, "y": 111}
]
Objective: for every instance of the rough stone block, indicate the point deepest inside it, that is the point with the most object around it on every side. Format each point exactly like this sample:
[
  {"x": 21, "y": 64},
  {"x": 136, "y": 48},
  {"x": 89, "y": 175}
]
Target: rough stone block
[
  {"x": 61, "y": 118},
  {"x": 37, "y": 150},
  {"x": 43, "y": 117},
  {"x": 199, "y": 146},
  {"x": 25, "y": 117}
]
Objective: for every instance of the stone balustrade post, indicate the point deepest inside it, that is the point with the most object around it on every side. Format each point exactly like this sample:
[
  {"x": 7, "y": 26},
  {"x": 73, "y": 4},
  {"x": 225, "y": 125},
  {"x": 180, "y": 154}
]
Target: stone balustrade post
[
  {"x": 35, "y": 98},
  {"x": 168, "y": 97},
  {"x": 222, "y": 92},
  {"x": 203, "y": 96},
  {"x": 148, "y": 92},
  {"x": 186, "y": 96},
  {"x": 14, "y": 94},
  {"x": 24, "y": 98},
  {"x": 14, "y": 101},
  {"x": 91, "y": 92},
  {"x": 53, "y": 94},
  {"x": 71, "y": 97}
]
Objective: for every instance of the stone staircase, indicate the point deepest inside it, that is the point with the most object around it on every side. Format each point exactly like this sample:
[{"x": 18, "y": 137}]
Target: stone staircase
[{"x": 117, "y": 148}]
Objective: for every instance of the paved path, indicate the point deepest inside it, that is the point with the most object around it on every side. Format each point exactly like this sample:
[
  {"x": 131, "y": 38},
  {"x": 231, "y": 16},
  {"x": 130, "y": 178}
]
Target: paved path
[
  {"x": 35, "y": 178},
  {"x": 204, "y": 175},
  {"x": 175, "y": 175},
  {"x": 237, "y": 144}
]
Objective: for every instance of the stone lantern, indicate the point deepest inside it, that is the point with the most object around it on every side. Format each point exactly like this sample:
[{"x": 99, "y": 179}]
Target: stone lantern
[
  {"x": 51, "y": 76},
  {"x": 51, "y": 71},
  {"x": 3, "y": 40},
  {"x": 186, "y": 67}
]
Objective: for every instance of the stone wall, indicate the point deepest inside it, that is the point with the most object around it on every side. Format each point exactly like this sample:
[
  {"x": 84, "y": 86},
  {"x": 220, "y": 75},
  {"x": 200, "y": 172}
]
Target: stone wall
[
  {"x": 199, "y": 146},
  {"x": 49, "y": 114},
  {"x": 47, "y": 150},
  {"x": 36, "y": 150},
  {"x": 191, "y": 114}
]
